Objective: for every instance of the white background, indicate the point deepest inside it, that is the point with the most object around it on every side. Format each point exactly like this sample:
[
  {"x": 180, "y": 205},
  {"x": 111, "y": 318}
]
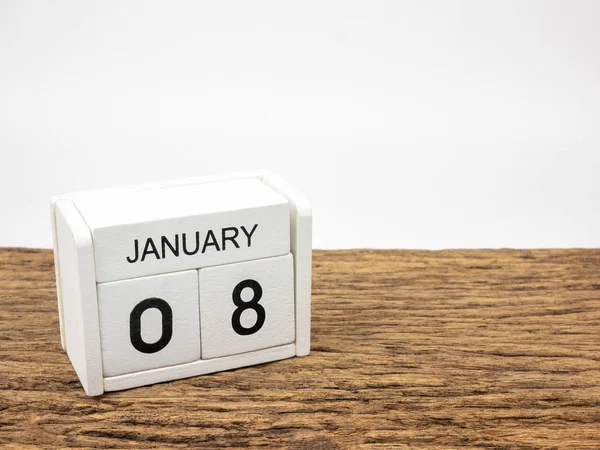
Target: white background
[{"x": 407, "y": 124}]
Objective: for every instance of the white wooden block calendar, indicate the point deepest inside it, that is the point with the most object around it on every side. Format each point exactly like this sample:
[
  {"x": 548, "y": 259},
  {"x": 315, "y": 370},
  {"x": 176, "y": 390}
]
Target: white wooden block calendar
[{"x": 171, "y": 280}]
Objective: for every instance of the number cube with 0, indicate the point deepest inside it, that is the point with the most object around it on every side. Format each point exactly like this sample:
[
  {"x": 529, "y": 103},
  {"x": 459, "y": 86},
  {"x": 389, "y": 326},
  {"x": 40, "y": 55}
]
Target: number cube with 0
[{"x": 171, "y": 280}]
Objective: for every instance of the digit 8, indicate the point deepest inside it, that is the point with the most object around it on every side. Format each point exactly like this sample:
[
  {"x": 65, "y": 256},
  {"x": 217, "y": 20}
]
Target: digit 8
[{"x": 243, "y": 306}]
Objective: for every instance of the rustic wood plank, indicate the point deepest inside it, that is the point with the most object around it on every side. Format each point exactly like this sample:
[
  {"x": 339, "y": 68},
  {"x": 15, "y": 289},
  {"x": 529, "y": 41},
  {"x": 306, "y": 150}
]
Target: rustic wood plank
[{"x": 495, "y": 349}]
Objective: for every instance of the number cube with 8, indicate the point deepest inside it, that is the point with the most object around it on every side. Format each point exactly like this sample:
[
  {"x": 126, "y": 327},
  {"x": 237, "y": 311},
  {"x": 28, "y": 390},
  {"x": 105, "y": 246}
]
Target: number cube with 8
[{"x": 177, "y": 279}]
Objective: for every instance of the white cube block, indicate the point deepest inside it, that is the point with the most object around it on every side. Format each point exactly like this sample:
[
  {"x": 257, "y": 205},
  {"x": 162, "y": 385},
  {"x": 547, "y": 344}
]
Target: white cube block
[
  {"x": 150, "y": 277},
  {"x": 149, "y": 322},
  {"x": 247, "y": 306}
]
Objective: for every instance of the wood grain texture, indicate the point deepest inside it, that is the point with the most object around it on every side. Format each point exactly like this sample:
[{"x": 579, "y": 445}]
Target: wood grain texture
[{"x": 490, "y": 349}]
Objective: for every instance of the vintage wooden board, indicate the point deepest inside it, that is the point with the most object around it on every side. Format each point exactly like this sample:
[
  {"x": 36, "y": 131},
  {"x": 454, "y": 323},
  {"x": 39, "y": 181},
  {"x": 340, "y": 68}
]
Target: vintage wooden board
[{"x": 494, "y": 349}]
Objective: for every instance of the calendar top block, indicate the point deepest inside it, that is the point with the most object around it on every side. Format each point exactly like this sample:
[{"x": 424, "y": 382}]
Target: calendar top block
[{"x": 150, "y": 231}]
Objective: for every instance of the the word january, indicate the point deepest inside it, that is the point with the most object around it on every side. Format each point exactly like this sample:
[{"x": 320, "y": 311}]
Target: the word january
[{"x": 210, "y": 242}]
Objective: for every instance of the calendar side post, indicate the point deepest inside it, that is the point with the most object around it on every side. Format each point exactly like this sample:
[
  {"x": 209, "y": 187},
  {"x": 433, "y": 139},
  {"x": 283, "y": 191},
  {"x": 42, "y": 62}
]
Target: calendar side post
[
  {"x": 301, "y": 248},
  {"x": 77, "y": 295}
]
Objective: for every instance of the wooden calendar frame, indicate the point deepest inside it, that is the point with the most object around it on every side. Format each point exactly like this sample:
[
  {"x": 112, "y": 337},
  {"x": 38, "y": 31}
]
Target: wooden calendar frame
[{"x": 78, "y": 301}]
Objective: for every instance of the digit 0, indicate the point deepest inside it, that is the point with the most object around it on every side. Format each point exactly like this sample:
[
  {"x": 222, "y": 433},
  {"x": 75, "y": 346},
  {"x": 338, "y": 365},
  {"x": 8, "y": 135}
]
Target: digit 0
[
  {"x": 243, "y": 306},
  {"x": 135, "y": 325}
]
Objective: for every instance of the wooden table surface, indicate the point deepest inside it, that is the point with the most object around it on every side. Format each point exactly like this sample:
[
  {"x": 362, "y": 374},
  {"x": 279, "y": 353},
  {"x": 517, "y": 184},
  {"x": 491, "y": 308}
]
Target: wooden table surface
[{"x": 494, "y": 349}]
